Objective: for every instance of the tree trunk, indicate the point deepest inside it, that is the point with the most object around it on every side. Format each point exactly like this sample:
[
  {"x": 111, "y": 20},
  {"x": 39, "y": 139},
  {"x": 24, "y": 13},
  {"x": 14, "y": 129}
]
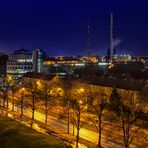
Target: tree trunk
[
  {"x": 46, "y": 111},
  {"x": 4, "y": 101},
  {"x": 100, "y": 131},
  {"x": 77, "y": 138},
  {"x": 78, "y": 129},
  {"x": 124, "y": 130},
  {"x": 22, "y": 105},
  {"x": 33, "y": 110},
  {"x": 13, "y": 103},
  {"x": 73, "y": 125},
  {"x": 68, "y": 123},
  {"x": 33, "y": 114},
  {"x": 7, "y": 101},
  {"x": 128, "y": 129},
  {"x": 7, "y": 105}
]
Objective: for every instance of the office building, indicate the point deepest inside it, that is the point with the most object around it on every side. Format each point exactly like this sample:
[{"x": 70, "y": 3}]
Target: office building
[{"x": 20, "y": 62}]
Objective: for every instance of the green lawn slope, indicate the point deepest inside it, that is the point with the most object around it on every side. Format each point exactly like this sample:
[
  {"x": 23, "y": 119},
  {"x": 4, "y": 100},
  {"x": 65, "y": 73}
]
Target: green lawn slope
[{"x": 16, "y": 135}]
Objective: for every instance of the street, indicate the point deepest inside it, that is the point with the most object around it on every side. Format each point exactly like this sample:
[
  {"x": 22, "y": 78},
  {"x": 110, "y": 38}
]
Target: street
[{"x": 91, "y": 136}]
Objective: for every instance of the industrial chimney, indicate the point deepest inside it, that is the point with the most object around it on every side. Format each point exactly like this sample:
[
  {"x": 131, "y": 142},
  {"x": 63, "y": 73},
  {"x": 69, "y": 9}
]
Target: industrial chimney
[{"x": 111, "y": 38}]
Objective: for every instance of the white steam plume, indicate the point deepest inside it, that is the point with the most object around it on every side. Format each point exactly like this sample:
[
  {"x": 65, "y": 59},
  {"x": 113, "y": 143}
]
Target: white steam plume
[{"x": 116, "y": 42}]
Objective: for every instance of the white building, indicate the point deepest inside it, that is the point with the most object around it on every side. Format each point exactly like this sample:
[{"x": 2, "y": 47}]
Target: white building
[{"x": 20, "y": 62}]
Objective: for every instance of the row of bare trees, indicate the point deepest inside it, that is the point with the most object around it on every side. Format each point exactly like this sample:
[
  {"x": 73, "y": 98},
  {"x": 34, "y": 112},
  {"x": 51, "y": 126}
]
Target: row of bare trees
[
  {"x": 32, "y": 95},
  {"x": 77, "y": 101},
  {"x": 124, "y": 108}
]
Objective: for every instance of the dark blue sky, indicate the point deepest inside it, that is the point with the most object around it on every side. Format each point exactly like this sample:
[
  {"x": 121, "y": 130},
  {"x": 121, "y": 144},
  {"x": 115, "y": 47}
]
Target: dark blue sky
[{"x": 59, "y": 26}]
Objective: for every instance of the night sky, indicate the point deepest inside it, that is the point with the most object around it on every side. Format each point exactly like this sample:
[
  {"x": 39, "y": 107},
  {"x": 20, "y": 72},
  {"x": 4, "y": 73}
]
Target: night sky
[{"x": 59, "y": 26}]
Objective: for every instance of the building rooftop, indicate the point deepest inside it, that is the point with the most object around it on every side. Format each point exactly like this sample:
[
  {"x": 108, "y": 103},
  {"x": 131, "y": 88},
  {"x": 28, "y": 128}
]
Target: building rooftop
[
  {"x": 22, "y": 51},
  {"x": 129, "y": 84},
  {"x": 40, "y": 76}
]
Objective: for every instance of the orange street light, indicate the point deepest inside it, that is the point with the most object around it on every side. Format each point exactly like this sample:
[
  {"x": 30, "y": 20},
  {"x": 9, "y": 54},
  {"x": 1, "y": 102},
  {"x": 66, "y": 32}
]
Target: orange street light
[
  {"x": 38, "y": 82},
  {"x": 39, "y": 85},
  {"x": 81, "y": 89},
  {"x": 22, "y": 89},
  {"x": 80, "y": 102},
  {"x": 9, "y": 78}
]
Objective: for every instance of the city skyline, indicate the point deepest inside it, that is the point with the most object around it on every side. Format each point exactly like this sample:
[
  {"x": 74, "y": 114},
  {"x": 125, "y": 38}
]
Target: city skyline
[
  {"x": 59, "y": 28},
  {"x": 73, "y": 73}
]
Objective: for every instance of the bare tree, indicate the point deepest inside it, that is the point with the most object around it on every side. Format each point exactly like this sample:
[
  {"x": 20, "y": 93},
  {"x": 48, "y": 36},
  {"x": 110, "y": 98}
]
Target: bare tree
[
  {"x": 144, "y": 103},
  {"x": 21, "y": 100},
  {"x": 100, "y": 102},
  {"x": 47, "y": 98},
  {"x": 32, "y": 100},
  {"x": 128, "y": 117},
  {"x": 115, "y": 101},
  {"x": 45, "y": 88},
  {"x": 5, "y": 86},
  {"x": 4, "y": 95},
  {"x": 78, "y": 104},
  {"x": 14, "y": 88},
  {"x": 66, "y": 100}
]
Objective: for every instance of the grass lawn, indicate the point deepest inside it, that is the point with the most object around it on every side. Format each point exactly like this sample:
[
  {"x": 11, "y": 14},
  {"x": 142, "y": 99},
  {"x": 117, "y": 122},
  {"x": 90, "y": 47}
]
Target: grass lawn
[{"x": 16, "y": 135}]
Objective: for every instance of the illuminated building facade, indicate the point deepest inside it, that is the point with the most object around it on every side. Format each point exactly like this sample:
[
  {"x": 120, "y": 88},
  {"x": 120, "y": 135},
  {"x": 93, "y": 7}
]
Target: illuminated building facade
[
  {"x": 20, "y": 62},
  {"x": 122, "y": 58},
  {"x": 38, "y": 61}
]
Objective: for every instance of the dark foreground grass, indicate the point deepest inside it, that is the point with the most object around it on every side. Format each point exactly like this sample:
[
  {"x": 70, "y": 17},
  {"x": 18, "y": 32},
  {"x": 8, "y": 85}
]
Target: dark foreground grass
[{"x": 16, "y": 135}]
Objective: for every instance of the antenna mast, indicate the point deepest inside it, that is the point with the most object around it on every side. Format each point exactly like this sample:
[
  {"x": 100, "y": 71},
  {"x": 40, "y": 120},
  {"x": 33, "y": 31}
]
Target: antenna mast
[{"x": 88, "y": 41}]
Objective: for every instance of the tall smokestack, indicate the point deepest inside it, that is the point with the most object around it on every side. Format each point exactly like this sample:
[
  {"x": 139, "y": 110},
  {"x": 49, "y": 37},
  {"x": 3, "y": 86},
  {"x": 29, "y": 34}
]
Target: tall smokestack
[{"x": 111, "y": 37}]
